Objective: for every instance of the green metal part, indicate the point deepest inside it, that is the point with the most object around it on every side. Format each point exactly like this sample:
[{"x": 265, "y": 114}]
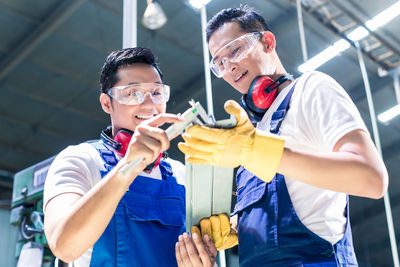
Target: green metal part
[{"x": 208, "y": 192}]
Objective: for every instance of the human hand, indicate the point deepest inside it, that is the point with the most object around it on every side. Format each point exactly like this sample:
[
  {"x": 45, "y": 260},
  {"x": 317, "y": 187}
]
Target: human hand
[
  {"x": 256, "y": 150},
  {"x": 148, "y": 141},
  {"x": 193, "y": 251},
  {"x": 205, "y": 145},
  {"x": 219, "y": 229},
  {"x": 234, "y": 222}
]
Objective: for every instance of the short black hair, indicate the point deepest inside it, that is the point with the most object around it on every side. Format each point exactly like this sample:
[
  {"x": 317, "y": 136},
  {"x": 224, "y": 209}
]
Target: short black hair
[
  {"x": 122, "y": 58},
  {"x": 247, "y": 17}
]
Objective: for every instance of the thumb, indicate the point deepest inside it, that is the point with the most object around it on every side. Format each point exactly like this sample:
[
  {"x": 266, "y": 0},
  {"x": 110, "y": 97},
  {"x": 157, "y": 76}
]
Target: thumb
[{"x": 232, "y": 107}]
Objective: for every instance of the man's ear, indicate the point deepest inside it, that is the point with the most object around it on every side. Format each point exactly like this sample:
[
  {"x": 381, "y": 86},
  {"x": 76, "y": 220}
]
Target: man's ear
[
  {"x": 105, "y": 101},
  {"x": 268, "y": 40}
]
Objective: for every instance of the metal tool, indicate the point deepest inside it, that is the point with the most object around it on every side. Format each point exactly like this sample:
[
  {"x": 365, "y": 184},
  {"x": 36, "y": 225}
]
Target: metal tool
[{"x": 194, "y": 115}]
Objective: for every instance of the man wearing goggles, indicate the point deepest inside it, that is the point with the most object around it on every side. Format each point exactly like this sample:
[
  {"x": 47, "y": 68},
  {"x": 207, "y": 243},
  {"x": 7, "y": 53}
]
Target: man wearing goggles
[
  {"x": 134, "y": 94},
  {"x": 286, "y": 184},
  {"x": 90, "y": 205},
  {"x": 233, "y": 52}
]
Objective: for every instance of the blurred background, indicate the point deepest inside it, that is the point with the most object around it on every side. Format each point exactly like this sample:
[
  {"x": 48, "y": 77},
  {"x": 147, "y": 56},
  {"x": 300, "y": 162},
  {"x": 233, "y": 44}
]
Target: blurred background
[{"x": 51, "y": 53}]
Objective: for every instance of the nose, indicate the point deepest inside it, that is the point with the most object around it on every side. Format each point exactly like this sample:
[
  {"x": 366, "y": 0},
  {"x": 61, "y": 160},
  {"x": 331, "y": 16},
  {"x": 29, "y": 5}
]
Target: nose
[
  {"x": 230, "y": 66},
  {"x": 147, "y": 100}
]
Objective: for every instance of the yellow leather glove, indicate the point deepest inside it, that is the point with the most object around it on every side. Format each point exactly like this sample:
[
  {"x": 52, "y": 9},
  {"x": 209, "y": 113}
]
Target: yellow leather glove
[
  {"x": 218, "y": 228},
  {"x": 256, "y": 150}
]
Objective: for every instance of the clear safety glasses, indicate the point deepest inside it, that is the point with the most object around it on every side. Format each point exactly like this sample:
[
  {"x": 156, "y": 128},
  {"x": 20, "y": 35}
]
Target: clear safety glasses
[
  {"x": 134, "y": 94},
  {"x": 234, "y": 52}
]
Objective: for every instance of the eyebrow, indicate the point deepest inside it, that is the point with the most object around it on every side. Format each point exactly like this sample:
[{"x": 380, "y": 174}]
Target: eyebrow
[{"x": 225, "y": 47}]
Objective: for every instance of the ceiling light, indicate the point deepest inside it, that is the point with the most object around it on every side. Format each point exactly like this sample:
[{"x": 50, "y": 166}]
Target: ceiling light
[
  {"x": 324, "y": 56},
  {"x": 384, "y": 17},
  {"x": 359, "y": 33},
  {"x": 389, "y": 114},
  {"x": 153, "y": 17},
  {"x": 198, "y": 3}
]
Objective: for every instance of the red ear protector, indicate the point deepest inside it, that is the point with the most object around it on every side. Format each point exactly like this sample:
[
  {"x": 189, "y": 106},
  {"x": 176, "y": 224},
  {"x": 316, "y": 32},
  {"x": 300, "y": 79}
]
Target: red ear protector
[
  {"x": 261, "y": 95},
  {"x": 120, "y": 144}
]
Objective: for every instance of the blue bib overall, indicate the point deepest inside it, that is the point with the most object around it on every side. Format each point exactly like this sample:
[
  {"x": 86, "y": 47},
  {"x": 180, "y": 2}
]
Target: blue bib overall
[
  {"x": 270, "y": 233},
  {"x": 147, "y": 222}
]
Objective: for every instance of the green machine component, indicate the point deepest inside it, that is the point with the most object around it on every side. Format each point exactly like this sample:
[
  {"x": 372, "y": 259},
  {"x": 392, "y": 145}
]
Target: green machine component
[
  {"x": 208, "y": 192},
  {"x": 27, "y": 207}
]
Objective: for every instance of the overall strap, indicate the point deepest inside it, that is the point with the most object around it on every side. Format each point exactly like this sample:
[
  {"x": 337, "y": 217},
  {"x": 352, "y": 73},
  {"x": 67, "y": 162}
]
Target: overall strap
[
  {"x": 280, "y": 113},
  {"x": 107, "y": 155},
  {"x": 166, "y": 171}
]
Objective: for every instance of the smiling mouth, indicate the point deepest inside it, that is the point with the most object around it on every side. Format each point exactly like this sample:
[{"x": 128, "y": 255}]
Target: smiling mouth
[
  {"x": 240, "y": 77},
  {"x": 144, "y": 117}
]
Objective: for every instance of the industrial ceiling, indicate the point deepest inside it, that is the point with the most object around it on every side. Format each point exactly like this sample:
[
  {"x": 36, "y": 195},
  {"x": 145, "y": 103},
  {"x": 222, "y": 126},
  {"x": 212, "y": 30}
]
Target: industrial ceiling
[{"x": 51, "y": 52}]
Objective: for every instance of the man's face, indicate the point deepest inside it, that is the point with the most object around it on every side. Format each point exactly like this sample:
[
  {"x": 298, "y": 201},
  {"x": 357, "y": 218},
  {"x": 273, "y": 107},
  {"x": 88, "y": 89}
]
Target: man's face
[
  {"x": 129, "y": 116},
  {"x": 241, "y": 74}
]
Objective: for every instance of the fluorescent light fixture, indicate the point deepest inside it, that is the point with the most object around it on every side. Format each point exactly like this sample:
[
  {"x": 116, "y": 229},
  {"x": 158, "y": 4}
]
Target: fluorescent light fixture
[
  {"x": 359, "y": 33},
  {"x": 198, "y": 3},
  {"x": 324, "y": 56},
  {"x": 389, "y": 114},
  {"x": 153, "y": 17},
  {"x": 384, "y": 17}
]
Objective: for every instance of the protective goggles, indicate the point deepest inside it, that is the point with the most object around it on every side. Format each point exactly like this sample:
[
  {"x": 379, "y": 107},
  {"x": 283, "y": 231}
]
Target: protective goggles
[
  {"x": 134, "y": 94},
  {"x": 234, "y": 52}
]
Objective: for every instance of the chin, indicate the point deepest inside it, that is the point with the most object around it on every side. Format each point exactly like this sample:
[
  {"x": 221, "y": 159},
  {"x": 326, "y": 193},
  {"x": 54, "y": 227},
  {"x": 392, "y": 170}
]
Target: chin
[
  {"x": 242, "y": 91},
  {"x": 244, "y": 87}
]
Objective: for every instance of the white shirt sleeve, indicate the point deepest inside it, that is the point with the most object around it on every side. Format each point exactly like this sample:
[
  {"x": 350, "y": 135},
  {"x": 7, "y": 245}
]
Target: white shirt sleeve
[
  {"x": 74, "y": 170},
  {"x": 328, "y": 110}
]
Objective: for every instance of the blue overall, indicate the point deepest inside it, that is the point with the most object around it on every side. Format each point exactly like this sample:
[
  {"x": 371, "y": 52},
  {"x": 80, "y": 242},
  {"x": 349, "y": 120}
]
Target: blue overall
[
  {"x": 147, "y": 222},
  {"x": 270, "y": 233}
]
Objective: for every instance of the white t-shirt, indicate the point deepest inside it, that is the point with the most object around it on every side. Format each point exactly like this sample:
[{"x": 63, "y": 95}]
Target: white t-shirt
[
  {"x": 76, "y": 169},
  {"x": 320, "y": 113}
]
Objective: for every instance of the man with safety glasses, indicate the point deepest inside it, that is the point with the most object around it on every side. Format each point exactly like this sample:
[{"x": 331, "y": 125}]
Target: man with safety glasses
[
  {"x": 292, "y": 189},
  {"x": 96, "y": 215}
]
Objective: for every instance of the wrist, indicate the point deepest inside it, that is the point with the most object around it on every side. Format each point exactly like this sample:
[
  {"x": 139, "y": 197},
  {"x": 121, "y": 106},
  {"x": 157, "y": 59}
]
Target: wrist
[
  {"x": 126, "y": 177},
  {"x": 265, "y": 155}
]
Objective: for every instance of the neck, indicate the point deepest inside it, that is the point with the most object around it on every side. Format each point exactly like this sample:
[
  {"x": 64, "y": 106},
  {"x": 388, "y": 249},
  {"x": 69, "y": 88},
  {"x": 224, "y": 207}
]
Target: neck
[
  {"x": 283, "y": 85},
  {"x": 280, "y": 70},
  {"x": 115, "y": 130}
]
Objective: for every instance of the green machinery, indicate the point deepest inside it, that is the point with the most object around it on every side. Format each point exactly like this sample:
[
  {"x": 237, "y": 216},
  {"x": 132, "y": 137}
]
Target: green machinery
[
  {"x": 27, "y": 207},
  {"x": 208, "y": 192}
]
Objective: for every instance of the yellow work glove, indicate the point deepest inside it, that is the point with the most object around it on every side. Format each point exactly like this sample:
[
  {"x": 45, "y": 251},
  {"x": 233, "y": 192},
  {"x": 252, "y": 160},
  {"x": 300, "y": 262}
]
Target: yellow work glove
[
  {"x": 218, "y": 228},
  {"x": 256, "y": 150}
]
